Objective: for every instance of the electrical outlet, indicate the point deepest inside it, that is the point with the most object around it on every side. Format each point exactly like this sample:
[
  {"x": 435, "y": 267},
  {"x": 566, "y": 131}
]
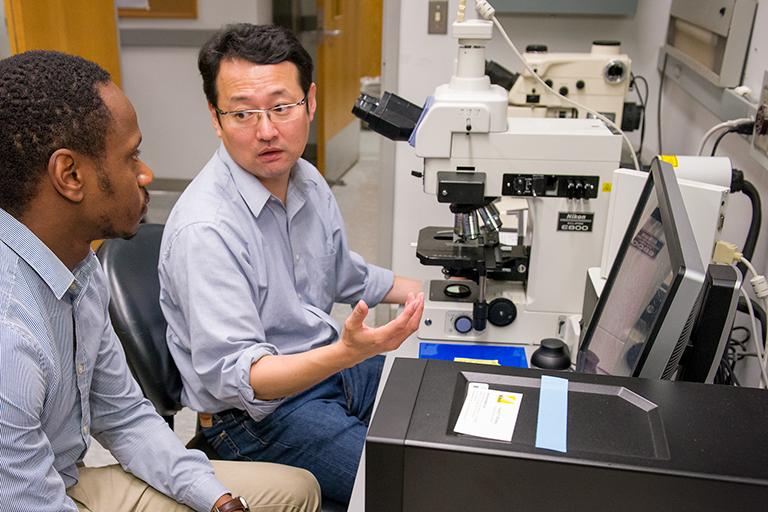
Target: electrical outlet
[
  {"x": 438, "y": 17},
  {"x": 760, "y": 133}
]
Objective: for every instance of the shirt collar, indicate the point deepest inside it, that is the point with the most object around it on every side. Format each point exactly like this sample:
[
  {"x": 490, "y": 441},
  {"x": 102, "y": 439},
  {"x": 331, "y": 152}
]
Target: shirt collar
[
  {"x": 255, "y": 194},
  {"x": 42, "y": 260},
  {"x": 248, "y": 186}
]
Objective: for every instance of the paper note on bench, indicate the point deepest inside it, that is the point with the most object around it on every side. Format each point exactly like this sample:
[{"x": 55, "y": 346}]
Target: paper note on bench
[{"x": 488, "y": 413}]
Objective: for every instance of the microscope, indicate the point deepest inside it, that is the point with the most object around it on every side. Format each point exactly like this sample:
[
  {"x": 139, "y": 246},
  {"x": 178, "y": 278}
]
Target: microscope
[
  {"x": 598, "y": 79},
  {"x": 548, "y": 178}
]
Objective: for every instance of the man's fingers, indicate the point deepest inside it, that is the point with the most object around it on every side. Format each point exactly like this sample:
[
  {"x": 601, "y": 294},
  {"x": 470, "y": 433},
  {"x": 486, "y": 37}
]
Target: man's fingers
[
  {"x": 355, "y": 319},
  {"x": 415, "y": 319},
  {"x": 408, "y": 319}
]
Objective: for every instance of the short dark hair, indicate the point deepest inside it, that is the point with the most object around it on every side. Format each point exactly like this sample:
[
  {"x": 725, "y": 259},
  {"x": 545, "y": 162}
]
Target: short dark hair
[
  {"x": 259, "y": 44},
  {"x": 48, "y": 101}
]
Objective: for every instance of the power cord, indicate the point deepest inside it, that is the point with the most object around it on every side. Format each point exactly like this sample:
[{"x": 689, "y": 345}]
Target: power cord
[
  {"x": 658, "y": 103},
  {"x": 727, "y": 253},
  {"x": 643, "y": 105},
  {"x": 733, "y": 123},
  {"x": 745, "y": 128}
]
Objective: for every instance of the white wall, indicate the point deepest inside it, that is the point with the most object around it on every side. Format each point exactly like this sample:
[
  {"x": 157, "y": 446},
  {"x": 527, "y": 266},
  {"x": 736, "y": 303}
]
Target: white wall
[
  {"x": 166, "y": 89},
  {"x": 426, "y": 61},
  {"x": 5, "y": 47}
]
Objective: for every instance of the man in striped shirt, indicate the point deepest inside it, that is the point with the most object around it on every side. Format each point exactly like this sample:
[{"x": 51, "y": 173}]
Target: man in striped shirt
[{"x": 70, "y": 173}]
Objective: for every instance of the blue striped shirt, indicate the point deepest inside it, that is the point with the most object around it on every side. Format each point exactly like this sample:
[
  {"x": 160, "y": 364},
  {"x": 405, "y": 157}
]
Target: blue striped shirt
[
  {"x": 63, "y": 378},
  {"x": 243, "y": 276}
]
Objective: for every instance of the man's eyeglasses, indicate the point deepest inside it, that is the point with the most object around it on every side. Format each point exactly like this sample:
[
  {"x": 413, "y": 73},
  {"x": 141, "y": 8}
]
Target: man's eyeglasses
[{"x": 252, "y": 116}]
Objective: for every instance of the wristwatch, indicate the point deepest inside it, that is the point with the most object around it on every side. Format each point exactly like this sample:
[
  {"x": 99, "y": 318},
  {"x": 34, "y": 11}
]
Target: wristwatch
[{"x": 236, "y": 503}]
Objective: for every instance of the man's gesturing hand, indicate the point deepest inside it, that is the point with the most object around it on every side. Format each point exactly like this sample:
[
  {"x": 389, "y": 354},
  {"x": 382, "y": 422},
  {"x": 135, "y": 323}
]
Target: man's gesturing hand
[{"x": 363, "y": 342}]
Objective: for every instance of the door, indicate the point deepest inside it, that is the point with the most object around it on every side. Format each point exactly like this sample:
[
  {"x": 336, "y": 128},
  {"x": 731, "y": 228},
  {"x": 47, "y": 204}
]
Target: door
[
  {"x": 86, "y": 28},
  {"x": 344, "y": 39},
  {"x": 338, "y": 85}
]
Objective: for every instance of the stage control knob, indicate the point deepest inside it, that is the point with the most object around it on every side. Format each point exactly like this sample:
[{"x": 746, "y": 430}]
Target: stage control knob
[
  {"x": 463, "y": 324},
  {"x": 553, "y": 354},
  {"x": 501, "y": 312}
]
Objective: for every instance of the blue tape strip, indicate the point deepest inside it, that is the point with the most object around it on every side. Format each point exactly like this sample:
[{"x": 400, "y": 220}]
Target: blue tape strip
[{"x": 552, "y": 423}]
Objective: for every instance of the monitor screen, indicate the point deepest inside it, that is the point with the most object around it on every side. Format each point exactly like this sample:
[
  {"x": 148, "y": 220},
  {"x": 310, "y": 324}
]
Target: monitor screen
[{"x": 643, "y": 319}]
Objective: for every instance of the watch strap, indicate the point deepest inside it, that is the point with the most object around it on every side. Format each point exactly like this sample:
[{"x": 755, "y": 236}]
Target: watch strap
[{"x": 235, "y": 504}]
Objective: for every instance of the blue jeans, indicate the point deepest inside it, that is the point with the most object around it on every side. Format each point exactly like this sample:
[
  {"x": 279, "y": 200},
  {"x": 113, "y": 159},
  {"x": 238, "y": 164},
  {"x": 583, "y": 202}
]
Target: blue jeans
[{"x": 321, "y": 429}]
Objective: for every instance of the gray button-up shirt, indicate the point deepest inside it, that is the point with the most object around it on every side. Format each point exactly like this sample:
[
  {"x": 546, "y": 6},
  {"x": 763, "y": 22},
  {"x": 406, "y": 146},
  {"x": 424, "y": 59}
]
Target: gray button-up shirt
[
  {"x": 63, "y": 378},
  {"x": 243, "y": 276}
]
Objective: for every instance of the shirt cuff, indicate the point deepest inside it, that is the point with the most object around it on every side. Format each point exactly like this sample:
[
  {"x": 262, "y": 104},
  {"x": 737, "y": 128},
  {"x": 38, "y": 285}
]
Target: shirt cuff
[
  {"x": 256, "y": 409},
  {"x": 202, "y": 496},
  {"x": 380, "y": 281}
]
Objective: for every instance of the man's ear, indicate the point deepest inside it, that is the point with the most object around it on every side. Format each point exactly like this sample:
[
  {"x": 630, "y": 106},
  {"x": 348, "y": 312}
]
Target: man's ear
[
  {"x": 66, "y": 178},
  {"x": 215, "y": 119},
  {"x": 312, "y": 100}
]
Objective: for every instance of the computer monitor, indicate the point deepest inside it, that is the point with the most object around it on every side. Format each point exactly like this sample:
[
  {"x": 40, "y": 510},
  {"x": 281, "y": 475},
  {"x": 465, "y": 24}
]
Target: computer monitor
[
  {"x": 712, "y": 328},
  {"x": 645, "y": 315}
]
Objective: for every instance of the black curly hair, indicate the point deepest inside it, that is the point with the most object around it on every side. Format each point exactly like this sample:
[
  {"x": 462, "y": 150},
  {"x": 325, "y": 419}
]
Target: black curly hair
[
  {"x": 259, "y": 44},
  {"x": 48, "y": 101}
]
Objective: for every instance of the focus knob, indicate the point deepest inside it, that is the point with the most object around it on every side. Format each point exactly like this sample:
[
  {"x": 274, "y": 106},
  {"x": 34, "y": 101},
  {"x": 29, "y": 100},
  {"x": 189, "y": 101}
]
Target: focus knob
[{"x": 501, "y": 312}]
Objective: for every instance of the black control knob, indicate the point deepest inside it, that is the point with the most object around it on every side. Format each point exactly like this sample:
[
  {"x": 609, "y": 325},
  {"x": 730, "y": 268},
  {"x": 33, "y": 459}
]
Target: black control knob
[
  {"x": 548, "y": 82},
  {"x": 563, "y": 91},
  {"x": 501, "y": 312},
  {"x": 570, "y": 189},
  {"x": 580, "y": 84},
  {"x": 579, "y": 190},
  {"x": 553, "y": 354}
]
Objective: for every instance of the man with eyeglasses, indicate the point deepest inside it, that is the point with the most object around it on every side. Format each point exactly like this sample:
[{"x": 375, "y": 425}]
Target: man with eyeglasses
[{"x": 254, "y": 256}]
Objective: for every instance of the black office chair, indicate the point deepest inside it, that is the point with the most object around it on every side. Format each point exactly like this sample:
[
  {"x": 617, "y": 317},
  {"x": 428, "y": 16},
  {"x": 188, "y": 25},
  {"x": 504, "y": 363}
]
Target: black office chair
[{"x": 134, "y": 308}]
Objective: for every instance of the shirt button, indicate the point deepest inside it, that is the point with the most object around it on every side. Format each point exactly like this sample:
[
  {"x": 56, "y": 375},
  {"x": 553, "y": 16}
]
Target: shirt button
[
  {"x": 298, "y": 257},
  {"x": 85, "y": 430},
  {"x": 80, "y": 368}
]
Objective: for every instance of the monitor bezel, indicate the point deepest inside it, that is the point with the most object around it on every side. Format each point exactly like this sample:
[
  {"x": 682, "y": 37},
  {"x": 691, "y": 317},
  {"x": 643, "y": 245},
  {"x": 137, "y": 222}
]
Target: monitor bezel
[{"x": 680, "y": 306}]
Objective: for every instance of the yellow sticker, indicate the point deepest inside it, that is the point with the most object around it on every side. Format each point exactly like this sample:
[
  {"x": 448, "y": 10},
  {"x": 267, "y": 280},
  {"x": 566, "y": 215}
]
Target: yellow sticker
[
  {"x": 670, "y": 159},
  {"x": 607, "y": 186},
  {"x": 506, "y": 399},
  {"x": 492, "y": 362}
]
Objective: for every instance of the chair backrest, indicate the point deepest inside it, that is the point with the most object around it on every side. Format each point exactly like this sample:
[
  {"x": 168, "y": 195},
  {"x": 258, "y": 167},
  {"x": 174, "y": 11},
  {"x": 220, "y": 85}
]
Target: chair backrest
[{"x": 131, "y": 270}]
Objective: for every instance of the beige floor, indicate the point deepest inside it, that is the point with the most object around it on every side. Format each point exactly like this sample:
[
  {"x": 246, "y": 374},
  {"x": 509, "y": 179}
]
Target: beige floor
[{"x": 357, "y": 195}]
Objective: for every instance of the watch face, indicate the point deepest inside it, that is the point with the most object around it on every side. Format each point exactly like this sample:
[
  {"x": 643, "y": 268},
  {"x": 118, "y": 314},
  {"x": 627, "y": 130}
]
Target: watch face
[{"x": 245, "y": 503}]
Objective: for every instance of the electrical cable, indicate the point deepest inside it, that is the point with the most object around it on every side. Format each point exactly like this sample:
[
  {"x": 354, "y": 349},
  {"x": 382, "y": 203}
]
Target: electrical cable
[
  {"x": 487, "y": 12},
  {"x": 757, "y": 310},
  {"x": 760, "y": 287},
  {"x": 719, "y": 138},
  {"x": 643, "y": 106},
  {"x": 658, "y": 104},
  {"x": 753, "y": 232},
  {"x": 732, "y": 123},
  {"x": 758, "y": 349}
]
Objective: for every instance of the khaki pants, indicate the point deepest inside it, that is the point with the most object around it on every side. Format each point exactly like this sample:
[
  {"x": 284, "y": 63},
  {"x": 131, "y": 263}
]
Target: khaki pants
[{"x": 267, "y": 487}]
